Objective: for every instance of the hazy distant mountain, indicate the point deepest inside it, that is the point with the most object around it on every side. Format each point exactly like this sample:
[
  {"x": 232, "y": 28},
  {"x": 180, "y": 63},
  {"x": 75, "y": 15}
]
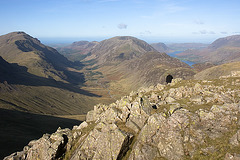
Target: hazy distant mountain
[
  {"x": 77, "y": 50},
  {"x": 186, "y": 46},
  {"x": 161, "y": 47},
  {"x": 233, "y": 41},
  {"x": 222, "y": 50},
  {"x": 40, "y": 60}
]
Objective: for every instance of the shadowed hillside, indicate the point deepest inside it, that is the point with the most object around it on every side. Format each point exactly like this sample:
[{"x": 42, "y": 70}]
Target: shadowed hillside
[
  {"x": 23, "y": 91},
  {"x": 18, "y": 128}
]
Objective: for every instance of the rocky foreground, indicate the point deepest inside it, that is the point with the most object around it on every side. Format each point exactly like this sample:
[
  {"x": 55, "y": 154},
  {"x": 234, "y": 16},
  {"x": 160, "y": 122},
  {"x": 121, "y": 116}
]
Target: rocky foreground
[{"x": 182, "y": 120}]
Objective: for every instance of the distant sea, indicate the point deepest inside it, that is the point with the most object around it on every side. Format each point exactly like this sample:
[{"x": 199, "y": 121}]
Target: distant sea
[{"x": 173, "y": 54}]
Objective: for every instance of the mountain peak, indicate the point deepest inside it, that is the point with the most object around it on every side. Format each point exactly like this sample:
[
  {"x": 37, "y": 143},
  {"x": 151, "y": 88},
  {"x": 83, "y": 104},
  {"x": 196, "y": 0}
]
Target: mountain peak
[
  {"x": 123, "y": 38},
  {"x": 17, "y": 36},
  {"x": 41, "y": 60},
  {"x": 18, "y": 33},
  {"x": 120, "y": 48}
]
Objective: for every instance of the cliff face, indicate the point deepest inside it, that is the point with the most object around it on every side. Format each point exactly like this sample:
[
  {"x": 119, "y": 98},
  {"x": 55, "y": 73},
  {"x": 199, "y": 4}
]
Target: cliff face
[{"x": 182, "y": 120}]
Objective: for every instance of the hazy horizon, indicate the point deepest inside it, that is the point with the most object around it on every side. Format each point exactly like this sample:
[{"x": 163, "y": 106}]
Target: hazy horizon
[{"x": 69, "y": 40}]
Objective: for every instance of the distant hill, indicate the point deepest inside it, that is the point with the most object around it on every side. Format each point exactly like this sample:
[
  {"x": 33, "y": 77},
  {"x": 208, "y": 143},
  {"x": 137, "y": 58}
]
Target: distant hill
[
  {"x": 233, "y": 41},
  {"x": 161, "y": 47},
  {"x": 223, "y": 50},
  {"x": 186, "y": 46},
  {"x": 77, "y": 50}
]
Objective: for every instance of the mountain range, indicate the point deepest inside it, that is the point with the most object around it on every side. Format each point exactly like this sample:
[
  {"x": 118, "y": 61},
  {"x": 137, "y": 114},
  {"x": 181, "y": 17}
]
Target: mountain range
[
  {"x": 126, "y": 63},
  {"x": 222, "y": 50},
  {"x": 37, "y": 81}
]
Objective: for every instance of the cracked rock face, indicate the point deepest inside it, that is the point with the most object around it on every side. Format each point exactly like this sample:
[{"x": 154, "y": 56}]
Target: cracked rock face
[
  {"x": 105, "y": 141},
  {"x": 182, "y": 120}
]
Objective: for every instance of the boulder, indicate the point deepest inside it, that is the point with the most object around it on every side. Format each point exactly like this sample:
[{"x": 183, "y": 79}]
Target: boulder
[{"x": 105, "y": 141}]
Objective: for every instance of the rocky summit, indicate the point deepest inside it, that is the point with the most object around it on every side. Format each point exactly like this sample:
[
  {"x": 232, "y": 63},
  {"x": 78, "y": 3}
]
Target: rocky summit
[{"x": 184, "y": 119}]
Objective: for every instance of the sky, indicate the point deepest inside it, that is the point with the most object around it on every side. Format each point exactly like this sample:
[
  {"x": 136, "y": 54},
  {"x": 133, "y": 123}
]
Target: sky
[{"x": 166, "y": 21}]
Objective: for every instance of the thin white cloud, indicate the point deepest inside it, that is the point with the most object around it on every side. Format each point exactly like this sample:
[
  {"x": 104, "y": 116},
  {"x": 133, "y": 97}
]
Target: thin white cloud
[
  {"x": 236, "y": 32},
  {"x": 147, "y": 32},
  {"x": 122, "y": 26},
  {"x": 199, "y": 22},
  {"x": 204, "y": 32},
  {"x": 224, "y": 32},
  {"x": 173, "y": 8}
]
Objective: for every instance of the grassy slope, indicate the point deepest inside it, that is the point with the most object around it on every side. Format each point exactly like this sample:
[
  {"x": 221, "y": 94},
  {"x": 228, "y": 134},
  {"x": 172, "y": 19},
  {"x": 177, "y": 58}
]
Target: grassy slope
[{"x": 44, "y": 100}]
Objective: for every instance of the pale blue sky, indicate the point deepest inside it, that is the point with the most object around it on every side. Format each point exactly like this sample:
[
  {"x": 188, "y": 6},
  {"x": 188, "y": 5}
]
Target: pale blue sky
[{"x": 150, "y": 20}]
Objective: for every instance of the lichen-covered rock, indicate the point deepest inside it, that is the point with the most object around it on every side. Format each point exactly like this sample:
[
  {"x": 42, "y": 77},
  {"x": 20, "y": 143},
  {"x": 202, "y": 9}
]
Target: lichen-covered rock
[
  {"x": 169, "y": 99},
  {"x": 235, "y": 140},
  {"x": 105, "y": 141},
  {"x": 232, "y": 156},
  {"x": 158, "y": 139},
  {"x": 82, "y": 125}
]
